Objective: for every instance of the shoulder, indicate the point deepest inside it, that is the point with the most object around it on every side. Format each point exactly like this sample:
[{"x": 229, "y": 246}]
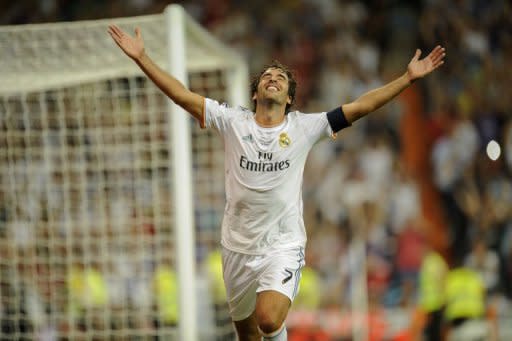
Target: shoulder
[
  {"x": 300, "y": 114},
  {"x": 239, "y": 113},
  {"x": 306, "y": 118},
  {"x": 243, "y": 111},
  {"x": 217, "y": 108},
  {"x": 296, "y": 116}
]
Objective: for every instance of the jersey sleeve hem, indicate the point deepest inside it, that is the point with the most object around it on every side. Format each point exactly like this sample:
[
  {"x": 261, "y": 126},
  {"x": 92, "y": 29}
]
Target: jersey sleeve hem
[{"x": 202, "y": 122}]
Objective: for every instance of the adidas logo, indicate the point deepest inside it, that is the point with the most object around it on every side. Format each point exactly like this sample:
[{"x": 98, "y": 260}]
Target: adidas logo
[{"x": 247, "y": 138}]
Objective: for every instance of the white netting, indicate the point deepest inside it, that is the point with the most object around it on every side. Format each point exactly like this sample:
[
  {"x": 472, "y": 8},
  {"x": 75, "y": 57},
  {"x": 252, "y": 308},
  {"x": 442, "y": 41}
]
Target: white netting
[
  {"x": 40, "y": 57},
  {"x": 86, "y": 220}
]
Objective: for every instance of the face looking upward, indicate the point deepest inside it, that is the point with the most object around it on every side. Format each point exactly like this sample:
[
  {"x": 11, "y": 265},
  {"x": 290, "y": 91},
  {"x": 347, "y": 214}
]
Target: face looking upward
[{"x": 273, "y": 87}]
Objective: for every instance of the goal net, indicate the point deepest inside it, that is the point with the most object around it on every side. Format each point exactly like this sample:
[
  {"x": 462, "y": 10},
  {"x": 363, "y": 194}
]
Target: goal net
[{"x": 88, "y": 223}]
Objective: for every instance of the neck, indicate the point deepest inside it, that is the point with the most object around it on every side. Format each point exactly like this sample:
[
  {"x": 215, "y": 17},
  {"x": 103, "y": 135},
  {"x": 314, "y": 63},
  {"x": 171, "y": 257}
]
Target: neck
[{"x": 268, "y": 116}]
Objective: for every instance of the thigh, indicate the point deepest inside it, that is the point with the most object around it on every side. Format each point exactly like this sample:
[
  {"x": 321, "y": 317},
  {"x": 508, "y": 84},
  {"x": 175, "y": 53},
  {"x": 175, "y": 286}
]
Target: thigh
[
  {"x": 282, "y": 272},
  {"x": 240, "y": 281},
  {"x": 274, "y": 276},
  {"x": 247, "y": 329},
  {"x": 277, "y": 286}
]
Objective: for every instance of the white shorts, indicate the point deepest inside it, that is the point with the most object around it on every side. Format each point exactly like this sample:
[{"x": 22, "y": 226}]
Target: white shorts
[{"x": 247, "y": 275}]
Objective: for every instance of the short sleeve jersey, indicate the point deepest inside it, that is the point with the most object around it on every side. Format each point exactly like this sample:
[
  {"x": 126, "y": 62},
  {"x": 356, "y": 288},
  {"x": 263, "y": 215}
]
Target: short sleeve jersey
[{"x": 263, "y": 176}]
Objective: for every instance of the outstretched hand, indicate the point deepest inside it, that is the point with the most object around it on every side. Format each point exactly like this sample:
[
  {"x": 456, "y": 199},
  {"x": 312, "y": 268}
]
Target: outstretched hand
[
  {"x": 418, "y": 68},
  {"x": 132, "y": 46}
]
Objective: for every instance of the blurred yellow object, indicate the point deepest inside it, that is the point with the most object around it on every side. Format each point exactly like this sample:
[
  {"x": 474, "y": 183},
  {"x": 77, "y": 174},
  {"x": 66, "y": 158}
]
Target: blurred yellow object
[
  {"x": 308, "y": 297},
  {"x": 465, "y": 294},
  {"x": 88, "y": 287},
  {"x": 214, "y": 266},
  {"x": 165, "y": 284},
  {"x": 431, "y": 285}
]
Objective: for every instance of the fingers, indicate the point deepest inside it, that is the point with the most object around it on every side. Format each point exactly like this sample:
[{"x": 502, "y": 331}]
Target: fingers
[
  {"x": 417, "y": 55},
  {"x": 137, "y": 33},
  {"x": 115, "y": 31},
  {"x": 437, "y": 55}
]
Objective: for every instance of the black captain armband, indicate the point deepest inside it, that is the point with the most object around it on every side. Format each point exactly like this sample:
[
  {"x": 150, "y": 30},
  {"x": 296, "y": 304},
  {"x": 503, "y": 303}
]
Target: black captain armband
[{"x": 337, "y": 119}]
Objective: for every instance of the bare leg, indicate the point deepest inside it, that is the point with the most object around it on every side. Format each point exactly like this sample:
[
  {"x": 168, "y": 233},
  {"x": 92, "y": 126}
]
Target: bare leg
[
  {"x": 271, "y": 310},
  {"x": 247, "y": 329}
]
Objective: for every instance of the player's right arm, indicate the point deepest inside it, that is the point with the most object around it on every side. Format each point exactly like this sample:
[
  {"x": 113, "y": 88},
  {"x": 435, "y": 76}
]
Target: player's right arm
[{"x": 174, "y": 89}]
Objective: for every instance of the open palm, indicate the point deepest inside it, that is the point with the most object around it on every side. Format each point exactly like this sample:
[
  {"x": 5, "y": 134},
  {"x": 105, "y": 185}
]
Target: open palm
[
  {"x": 418, "y": 68},
  {"x": 132, "y": 46}
]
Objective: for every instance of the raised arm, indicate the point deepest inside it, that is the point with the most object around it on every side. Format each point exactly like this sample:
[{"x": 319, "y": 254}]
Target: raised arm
[
  {"x": 174, "y": 89},
  {"x": 374, "y": 99}
]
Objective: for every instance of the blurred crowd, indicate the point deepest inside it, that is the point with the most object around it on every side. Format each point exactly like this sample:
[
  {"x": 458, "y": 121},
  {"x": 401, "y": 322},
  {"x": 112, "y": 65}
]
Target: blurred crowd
[{"x": 414, "y": 178}]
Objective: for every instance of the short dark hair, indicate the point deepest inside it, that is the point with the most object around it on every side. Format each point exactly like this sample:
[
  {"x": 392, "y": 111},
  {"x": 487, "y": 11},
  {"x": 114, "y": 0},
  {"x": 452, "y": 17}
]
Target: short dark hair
[{"x": 292, "y": 83}]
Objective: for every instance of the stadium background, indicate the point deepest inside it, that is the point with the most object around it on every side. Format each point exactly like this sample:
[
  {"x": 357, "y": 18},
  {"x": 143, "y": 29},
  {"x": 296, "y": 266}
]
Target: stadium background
[{"x": 411, "y": 178}]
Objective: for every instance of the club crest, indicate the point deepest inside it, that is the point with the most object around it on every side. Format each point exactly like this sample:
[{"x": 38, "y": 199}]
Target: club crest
[{"x": 284, "y": 140}]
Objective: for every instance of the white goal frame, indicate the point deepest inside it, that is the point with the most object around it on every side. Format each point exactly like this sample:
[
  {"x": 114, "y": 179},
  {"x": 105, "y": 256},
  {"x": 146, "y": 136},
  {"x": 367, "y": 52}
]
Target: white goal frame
[
  {"x": 189, "y": 48},
  {"x": 179, "y": 26}
]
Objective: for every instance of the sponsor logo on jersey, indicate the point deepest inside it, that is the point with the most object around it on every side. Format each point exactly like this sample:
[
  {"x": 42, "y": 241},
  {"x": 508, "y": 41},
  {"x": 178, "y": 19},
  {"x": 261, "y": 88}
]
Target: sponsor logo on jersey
[
  {"x": 264, "y": 163},
  {"x": 263, "y": 166},
  {"x": 284, "y": 140}
]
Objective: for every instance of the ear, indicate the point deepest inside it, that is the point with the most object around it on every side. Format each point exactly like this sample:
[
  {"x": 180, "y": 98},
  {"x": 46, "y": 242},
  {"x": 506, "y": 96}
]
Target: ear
[
  {"x": 254, "y": 96},
  {"x": 289, "y": 100}
]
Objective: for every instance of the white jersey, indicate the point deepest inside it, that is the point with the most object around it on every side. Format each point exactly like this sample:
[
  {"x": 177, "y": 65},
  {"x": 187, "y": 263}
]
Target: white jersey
[{"x": 263, "y": 173}]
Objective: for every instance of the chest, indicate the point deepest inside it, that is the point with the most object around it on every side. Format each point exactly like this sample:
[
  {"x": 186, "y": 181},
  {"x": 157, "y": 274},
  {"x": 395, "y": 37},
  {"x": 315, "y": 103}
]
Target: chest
[{"x": 267, "y": 144}]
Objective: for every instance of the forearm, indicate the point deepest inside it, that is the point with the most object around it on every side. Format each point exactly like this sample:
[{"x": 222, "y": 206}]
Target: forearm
[
  {"x": 167, "y": 83},
  {"x": 171, "y": 87},
  {"x": 374, "y": 99}
]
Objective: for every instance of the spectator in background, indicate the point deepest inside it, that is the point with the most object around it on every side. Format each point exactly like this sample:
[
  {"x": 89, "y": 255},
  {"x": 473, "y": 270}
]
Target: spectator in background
[
  {"x": 88, "y": 295},
  {"x": 409, "y": 255},
  {"x": 213, "y": 265},
  {"x": 405, "y": 199},
  {"x": 466, "y": 308},
  {"x": 485, "y": 262},
  {"x": 165, "y": 288},
  {"x": 431, "y": 296},
  {"x": 506, "y": 256},
  {"x": 449, "y": 165},
  {"x": 507, "y": 146},
  {"x": 309, "y": 295}
]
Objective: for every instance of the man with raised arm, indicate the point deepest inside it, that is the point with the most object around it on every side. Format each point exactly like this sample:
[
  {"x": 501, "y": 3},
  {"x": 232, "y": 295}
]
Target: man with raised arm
[{"x": 263, "y": 233}]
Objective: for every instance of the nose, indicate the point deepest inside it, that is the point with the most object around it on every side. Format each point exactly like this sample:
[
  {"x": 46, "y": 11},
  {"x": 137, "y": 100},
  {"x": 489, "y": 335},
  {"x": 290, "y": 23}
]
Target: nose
[{"x": 274, "y": 80}]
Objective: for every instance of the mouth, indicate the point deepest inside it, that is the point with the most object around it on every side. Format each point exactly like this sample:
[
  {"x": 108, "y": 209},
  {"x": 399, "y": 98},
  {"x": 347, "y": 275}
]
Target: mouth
[{"x": 272, "y": 88}]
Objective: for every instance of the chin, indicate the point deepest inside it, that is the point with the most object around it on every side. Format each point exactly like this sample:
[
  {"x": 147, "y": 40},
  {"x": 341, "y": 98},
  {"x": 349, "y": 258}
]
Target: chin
[{"x": 277, "y": 97}]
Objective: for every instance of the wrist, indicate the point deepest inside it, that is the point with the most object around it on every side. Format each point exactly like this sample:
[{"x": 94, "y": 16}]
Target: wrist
[
  {"x": 408, "y": 78},
  {"x": 140, "y": 58}
]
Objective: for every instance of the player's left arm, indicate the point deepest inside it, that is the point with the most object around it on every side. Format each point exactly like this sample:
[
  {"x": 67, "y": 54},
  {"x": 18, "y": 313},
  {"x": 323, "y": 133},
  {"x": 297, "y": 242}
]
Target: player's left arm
[{"x": 376, "y": 98}]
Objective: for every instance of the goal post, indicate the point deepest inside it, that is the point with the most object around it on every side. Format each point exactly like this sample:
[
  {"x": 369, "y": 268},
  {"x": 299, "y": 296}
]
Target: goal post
[
  {"x": 181, "y": 147},
  {"x": 106, "y": 187}
]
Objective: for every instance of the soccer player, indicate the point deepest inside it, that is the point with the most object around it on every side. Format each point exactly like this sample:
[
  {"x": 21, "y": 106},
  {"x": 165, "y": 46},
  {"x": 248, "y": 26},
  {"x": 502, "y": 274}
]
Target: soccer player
[{"x": 263, "y": 234}]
